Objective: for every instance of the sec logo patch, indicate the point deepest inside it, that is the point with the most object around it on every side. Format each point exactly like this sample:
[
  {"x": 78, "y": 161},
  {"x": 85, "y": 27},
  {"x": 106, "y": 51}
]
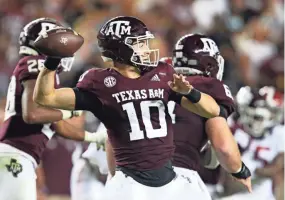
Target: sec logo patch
[{"x": 110, "y": 81}]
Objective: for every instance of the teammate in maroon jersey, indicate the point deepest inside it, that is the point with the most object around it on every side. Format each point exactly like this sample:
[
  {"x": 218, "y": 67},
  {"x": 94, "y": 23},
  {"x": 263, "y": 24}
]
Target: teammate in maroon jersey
[
  {"x": 198, "y": 57},
  {"x": 26, "y": 128},
  {"x": 131, "y": 100}
]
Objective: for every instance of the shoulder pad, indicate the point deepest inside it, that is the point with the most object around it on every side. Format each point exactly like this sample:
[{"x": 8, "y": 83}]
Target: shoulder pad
[{"x": 216, "y": 89}]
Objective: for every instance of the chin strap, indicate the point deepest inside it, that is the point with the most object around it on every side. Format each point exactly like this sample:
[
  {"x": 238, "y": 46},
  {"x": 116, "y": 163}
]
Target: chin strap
[{"x": 28, "y": 51}]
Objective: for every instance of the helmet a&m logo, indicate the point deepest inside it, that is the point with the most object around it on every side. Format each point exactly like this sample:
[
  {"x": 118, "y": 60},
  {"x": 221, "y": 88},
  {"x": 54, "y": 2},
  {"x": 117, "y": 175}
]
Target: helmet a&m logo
[
  {"x": 117, "y": 28},
  {"x": 110, "y": 81},
  {"x": 14, "y": 167}
]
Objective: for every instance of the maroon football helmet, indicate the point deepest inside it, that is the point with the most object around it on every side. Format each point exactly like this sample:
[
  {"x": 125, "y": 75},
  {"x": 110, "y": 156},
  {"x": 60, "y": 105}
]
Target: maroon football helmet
[
  {"x": 260, "y": 109},
  {"x": 196, "y": 54},
  {"x": 118, "y": 38},
  {"x": 30, "y": 33}
]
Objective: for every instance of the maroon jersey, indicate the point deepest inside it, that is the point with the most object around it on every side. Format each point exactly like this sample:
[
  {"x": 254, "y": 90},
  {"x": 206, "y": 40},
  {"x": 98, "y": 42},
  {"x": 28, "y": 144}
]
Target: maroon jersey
[
  {"x": 30, "y": 138},
  {"x": 134, "y": 112},
  {"x": 56, "y": 162},
  {"x": 189, "y": 128}
]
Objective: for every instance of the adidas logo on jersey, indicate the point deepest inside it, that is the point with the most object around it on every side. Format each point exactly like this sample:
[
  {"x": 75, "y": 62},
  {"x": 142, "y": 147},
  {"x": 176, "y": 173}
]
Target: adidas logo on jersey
[{"x": 155, "y": 78}]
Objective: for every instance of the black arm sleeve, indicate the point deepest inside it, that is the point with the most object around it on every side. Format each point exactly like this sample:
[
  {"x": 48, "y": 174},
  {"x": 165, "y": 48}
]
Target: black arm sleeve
[
  {"x": 85, "y": 100},
  {"x": 223, "y": 112}
]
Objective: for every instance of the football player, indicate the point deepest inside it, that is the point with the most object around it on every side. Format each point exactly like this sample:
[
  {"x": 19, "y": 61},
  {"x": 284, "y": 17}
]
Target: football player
[
  {"x": 197, "y": 57},
  {"x": 27, "y": 126},
  {"x": 261, "y": 140},
  {"x": 131, "y": 99}
]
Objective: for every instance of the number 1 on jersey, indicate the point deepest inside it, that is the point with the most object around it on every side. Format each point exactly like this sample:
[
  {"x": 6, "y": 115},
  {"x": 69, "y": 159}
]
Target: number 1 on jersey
[{"x": 171, "y": 107}]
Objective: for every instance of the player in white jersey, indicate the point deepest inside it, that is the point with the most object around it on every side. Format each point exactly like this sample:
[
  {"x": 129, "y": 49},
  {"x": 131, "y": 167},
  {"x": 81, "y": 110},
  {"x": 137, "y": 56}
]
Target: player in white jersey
[
  {"x": 90, "y": 170},
  {"x": 261, "y": 139}
]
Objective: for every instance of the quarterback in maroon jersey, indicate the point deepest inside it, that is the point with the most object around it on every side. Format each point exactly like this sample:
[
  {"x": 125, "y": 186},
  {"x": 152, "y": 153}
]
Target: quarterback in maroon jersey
[
  {"x": 197, "y": 57},
  {"x": 27, "y": 126},
  {"x": 131, "y": 99}
]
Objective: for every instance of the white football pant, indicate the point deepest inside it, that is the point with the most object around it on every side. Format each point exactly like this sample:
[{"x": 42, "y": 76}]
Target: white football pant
[
  {"x": 17, "y": 174},
  {"x": 186, "y": 185},
  {"x": 84, "y": 182}
]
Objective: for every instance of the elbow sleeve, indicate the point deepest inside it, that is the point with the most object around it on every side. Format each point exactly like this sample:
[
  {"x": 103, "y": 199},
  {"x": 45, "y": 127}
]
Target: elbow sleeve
[{"x": 223, "y": 112}]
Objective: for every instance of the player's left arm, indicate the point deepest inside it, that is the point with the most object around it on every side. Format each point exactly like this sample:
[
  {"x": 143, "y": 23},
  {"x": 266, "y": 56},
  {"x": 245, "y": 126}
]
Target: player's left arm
[{"x": 194, "y": 100}]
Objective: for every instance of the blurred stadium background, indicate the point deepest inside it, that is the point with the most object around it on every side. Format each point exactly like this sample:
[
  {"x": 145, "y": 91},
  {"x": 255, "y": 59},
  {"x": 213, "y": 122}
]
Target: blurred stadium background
[{"x": 250, "y": 34}]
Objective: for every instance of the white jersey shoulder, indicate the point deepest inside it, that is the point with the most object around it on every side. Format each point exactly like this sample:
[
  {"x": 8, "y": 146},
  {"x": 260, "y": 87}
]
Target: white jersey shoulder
[
  {"x": 278, "y": 135},
  {"x": 260, "y": 152}
]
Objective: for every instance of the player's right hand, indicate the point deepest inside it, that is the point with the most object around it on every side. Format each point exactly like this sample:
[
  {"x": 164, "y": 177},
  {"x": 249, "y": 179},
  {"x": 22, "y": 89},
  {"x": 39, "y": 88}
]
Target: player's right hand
[
  {"x": 244, "y": 177},
  {"x": 180, "y": 84},
  {"x": 245, "y": 182}
]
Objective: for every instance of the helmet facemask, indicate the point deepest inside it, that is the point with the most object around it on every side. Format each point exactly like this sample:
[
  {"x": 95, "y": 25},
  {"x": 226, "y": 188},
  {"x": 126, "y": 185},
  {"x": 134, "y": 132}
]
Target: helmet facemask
[
  {"x": 221, "y": 63},
  {"x": 143, "y": 55},
  {"x": 198, "y": 56},
  {"x": 66, "y": 63},
  {"x": 199, "y": 64},
  {"x": 257, "y": 121}
]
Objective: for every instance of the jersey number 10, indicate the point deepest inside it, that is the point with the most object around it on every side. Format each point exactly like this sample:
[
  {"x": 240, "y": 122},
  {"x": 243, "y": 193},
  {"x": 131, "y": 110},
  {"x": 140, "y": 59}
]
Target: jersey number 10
[{"x": 136, "y": 132}]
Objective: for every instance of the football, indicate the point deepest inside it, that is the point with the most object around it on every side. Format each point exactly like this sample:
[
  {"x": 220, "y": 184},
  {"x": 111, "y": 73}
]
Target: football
[{"x": 59, "y": 42}]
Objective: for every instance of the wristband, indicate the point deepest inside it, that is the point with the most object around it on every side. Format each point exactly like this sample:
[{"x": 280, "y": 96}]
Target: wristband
[
  {"x": 194, "y": 95},
  {"x": 66, "y": 114},
  {"x": 52, "y": 63},
  {"x": 95, "y": 137},
  {"x": 243, "y": 173},
  {"x": 90, "y": 137},
  {"x": 223, "y": 112},
  {"x": 77, "y": 113}
]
